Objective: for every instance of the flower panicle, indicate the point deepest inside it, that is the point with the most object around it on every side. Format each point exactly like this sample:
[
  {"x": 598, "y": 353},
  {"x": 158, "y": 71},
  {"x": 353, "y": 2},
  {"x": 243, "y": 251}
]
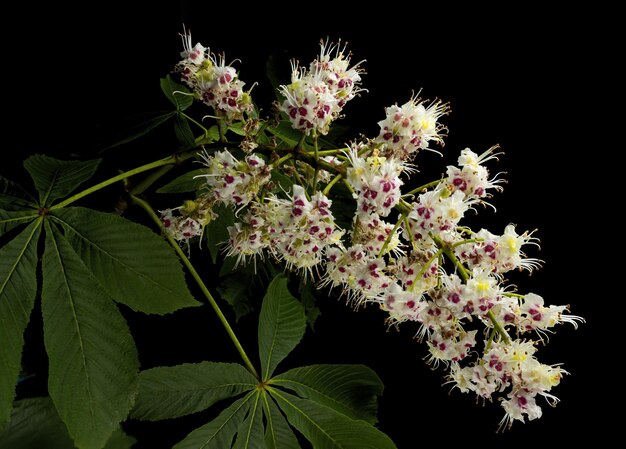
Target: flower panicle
[{"x": 411, "y": 256}]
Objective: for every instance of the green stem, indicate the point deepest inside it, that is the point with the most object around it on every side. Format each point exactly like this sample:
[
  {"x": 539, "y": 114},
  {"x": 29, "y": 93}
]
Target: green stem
[
  {"x": 331, "y": 184},
  {"x": 299, "y": 180},
  {"x": 309, "y": 158},
  {"x": 199, "y": 125},
  {"x": 300, "y": 144},
  {"x": 463, "y": 273},
  {"x": 389, "y": 237},
  {"x": 409, "y": 231},
  {"x": 513, "y": 295},
  {"x": 348, "y": 186},
  {"x": 423, "y": 270},
  {"x": 447, "y": 251},
  {"x": 282, "y": 160},
  {"x": 424, "y": 187},
  {"x": 404, "y": 207},
  {"x": 317, "y": 158},
  {"x": 498, "y": 327},
  {"x": 216, "y": 308},
  {"x": 151, "y": 179},
  {"x": 492, "y": 334},
  {"x": 222, "y": 128},
  {"x": 122, "y": 176},
  {"x": 326, "y": 152},
  {"x": 463, "y": 242}
]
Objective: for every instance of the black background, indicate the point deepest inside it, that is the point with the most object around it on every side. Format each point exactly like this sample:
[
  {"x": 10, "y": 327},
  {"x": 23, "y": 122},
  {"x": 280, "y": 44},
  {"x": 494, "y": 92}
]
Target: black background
[{"x": 77, "y": 78}]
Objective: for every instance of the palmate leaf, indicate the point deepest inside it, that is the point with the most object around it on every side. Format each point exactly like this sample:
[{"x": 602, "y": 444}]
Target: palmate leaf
[
  {"x": 13, "y": 197},
  {"x": 219, "y": 433},
  {"x": 189, "y": 182},
  {"x": 309, "y": 301},
  {"x": 281, "y": 325},
  {"x": 10, "y": 219},
  {"x": 216, "y": 231},
  {"x": 285, "y": 133},
  {"x": 144, "y": 128},
  {"x": 56, "y": 179},
  {"x": 183, "y": 132},
  {"x": 326, "y": 428},
  {"x": 250, "y": 431},
  {"x": 134, "y": 265},
  {"x": 93, "y": 362},
  {"x": 278, "y": 434},
  {"x": 35, "y": 424},
  {"x": 333, "y": 409},
  {"x": 18, "y": 288},
  {"x": 349, "y": 389},
  {"x": 239, "y": 287},
  {"x": 170, "y": 392},
  {"x": 176, "y": 93},
  {"x": 119, "y": 440}
]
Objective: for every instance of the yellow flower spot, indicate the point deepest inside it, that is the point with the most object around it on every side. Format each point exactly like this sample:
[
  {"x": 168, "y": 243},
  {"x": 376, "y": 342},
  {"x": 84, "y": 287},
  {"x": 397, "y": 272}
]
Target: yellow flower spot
[
  {"x": 453, "y": 214},
  {"x": 189, "y": 206},
  {"x": 510, "y": 243}
]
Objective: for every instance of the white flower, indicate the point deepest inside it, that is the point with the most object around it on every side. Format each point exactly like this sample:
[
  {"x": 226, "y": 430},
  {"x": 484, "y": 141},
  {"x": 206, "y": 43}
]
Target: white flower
[
  {"x": 213, "y": 81},
  {"x": 375, "y": 180},
  {"x": 499, "y": 253},
  {"x": 361, "y": 274},
  {"x": 473, "y": 177},
  {"x": 317, "y": 96},
  {"x": 231, "y": 181},
  {"x": 536, "y": 316},
  {"x": 411, "y": 127},
  {"x": 192, "y": 54}
]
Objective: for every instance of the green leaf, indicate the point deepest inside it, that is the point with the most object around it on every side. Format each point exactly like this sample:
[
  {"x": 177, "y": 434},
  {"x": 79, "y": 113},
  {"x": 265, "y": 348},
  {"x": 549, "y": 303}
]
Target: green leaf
[
  {"x": 93, "y": 362},
  {"x": 216, "y": 232},
  {"x": 336, "y": 136},
  {"x": 278, "y": 434},
  {"x": 56, "y": 179},
  {"x": 281, "y": 325},
  {"x": 183, "y": 132},
  {"x": 119, "y": 440},
  {"x": 308, "y": 299},
  {"x": 250, "y": 432},
  {"x": 134, "y": 265},
  {"x": 326, "y": 428},
  {"x": 272, "y": 75},
  {"x": 144, "y": 128},
  {"x": 178, "y": 94},
  {"x": 237, "y": 128},
  {"x": 14, "y": 218},
  {"x": 350, "y": 389},
  {"x": 283, "y": 182},
  {"x": 285, "y": 133},
  {"x": 236, "y": 289},
  {"x": 35, "y": 424},
  {"x": 170, "y": 392},
  {"x": 219, "y": 433},
  {"x": 18, "y": 288},
  {"x": 212, "y": 135},
  {"x": 189, "y": 182},
  {"x": 13, "y": 197}
]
